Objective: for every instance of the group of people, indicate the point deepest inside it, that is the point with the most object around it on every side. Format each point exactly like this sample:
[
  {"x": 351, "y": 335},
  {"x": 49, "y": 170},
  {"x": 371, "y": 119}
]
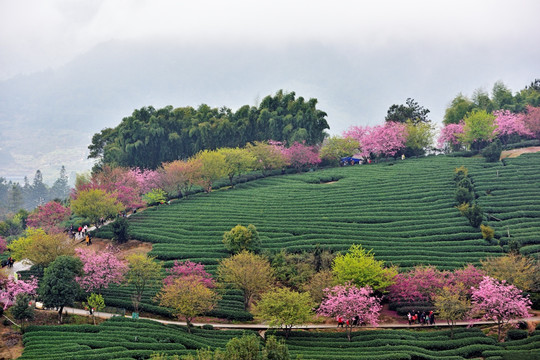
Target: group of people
[
  {"x": 81, "y": 233},
  {"x": 352, "y": 322},
  {"x": 8, "y": 262},
  {"x": 423, "y": 318}
]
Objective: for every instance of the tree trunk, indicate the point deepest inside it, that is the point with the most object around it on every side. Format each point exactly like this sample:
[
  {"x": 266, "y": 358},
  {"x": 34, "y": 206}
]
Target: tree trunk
[
  {"x": 349, "y": 330},
  {"x": 60, "y": 313},
  {"x": 188, "y": 322}
]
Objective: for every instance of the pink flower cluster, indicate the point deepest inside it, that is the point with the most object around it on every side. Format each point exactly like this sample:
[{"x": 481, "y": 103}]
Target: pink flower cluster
[
  {"x": 49, "y": 216},
  {"x": 450, "y": 134},
  {"x": 423, "y": 282},
  {"x": 380, "y": 140},
  {"x": 499, "y": 301},
  {"x": 189, "y": 269},
  {"x": 299, "y": 155},
  {"x": 100, "y": 269},
  {"x": 348, "y": 301},
  {"x": 509, "y": 123},
  {"x": 3, "y": 245},
  {"x": 11, "y": 288}
]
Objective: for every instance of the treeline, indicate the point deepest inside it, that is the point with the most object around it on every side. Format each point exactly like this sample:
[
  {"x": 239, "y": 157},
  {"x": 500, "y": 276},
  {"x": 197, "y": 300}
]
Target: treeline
[
  {"x": 501, "y": 99},
  {"x": 14, "y": 196},
  {"x": 150, "y": 137}
]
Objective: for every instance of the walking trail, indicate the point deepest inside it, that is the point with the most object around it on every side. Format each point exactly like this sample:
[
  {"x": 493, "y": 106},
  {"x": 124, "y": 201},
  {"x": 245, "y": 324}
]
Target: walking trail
[{"x": 105, "y": 315}]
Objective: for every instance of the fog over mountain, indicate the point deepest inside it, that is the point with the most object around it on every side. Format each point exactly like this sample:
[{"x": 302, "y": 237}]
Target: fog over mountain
[{"x": 47, "y": 118}]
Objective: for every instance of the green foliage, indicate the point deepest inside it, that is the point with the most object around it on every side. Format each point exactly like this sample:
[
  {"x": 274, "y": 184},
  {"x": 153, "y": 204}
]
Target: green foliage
[
  {"x": 240, "y": 238},
  {"x": 475, "y": 215},
  {"x": 452, "y": 304},
  {"x": 466, "y": 184},
  {"x": 460, "y": 173},
  {"x": 22, "y": 310},
  {"x": 492, "y": 152},
  {"x": 457, "y": 110},
  {"x": 419, "y": 138},
  {"x": 245, "y": 348},
  {"x": 411, "y": 112},
  {"x": 478, "y": 129},
  {"x": 120, "y": 230},
  {"x": 487, "y": 232},
  {"x": 95, "y": 303},
  {"x": 463, "y": 196},
  {"x": 152, "y": 136},
  {"x": 359, "y": 267},
  {"x": 275, "y": 349},
  {"x": 58, "y": 287},
  {"x": 95, "y": 204},
  {"x": 155, "y": 197},
  {"x": 284, "y": 308},
  {"x": 143, "y": 272},
  {"x": 516, "y": 334},
  {"x": 335, "y": 147}
]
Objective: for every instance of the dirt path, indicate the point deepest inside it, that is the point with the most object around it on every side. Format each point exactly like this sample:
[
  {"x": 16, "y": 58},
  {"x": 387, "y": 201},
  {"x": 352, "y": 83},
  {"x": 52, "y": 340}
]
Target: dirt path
[
  {"x": 128, "y": 248},
  {"x": 516, "y": 152}
]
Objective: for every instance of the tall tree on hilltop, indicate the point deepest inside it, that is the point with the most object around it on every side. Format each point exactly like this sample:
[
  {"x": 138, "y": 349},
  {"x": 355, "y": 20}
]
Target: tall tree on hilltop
[{"x": 410, "y": 111}]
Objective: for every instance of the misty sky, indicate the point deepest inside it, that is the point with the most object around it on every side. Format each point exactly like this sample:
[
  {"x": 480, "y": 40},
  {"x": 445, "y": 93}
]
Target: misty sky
[{"x": 37, "y": 35}]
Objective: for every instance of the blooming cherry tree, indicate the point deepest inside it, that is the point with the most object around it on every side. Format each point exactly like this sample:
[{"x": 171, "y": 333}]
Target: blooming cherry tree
[
  {"x": 3, "y": 245},
  {"x": 189, "y": 269},
  {"x": 299, "y": 155},
  {"x": 450, "y": 135},
  {"x": 49, "y": 216},
  {"x": 380, "y": 140},
  {"x": 498, "y": 301},
  {"x": 11, "y": 288},
  {"x": 146, "y": 179},
  {"x": 419, "y": 284},
  {"x": 532, "y": 120},
  {"x": 100, "y": 269},
  {"x": 348, "y": 302},
  {"x": 509, "y": 123}
]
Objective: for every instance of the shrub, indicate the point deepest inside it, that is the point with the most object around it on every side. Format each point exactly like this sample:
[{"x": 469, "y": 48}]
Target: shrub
[
  {"x": 120, "y": 229},
  {"x": 475, "y": 215},
  {"x": 492, "y": 152},
  {"x": 487, "y": 232},
  {"x": 516, "y": 334},
  {"x": 460, "y": 173},
  {"x": 463, "y": 195}
]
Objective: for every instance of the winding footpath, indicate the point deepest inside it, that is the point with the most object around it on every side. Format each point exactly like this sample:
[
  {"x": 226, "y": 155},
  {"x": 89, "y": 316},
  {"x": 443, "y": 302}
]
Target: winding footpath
[{"x": 105, "y": 315}]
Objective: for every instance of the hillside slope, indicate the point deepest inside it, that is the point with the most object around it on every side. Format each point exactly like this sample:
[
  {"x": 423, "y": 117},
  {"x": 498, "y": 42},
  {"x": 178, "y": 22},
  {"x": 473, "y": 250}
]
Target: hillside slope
[{"x": 404, "y": 211}]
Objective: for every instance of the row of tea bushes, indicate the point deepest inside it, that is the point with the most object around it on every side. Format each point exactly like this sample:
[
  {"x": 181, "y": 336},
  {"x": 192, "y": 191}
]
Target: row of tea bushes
[
  {"x": 407, "y": 344},
  {"x": 118, "y": 338},
  {"x": 404, "y": 212}
]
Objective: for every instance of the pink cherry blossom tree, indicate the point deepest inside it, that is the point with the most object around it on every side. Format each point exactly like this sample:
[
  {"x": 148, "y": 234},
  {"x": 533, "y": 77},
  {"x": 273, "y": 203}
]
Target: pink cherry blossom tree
[
  {"x": 509, "y": 124},
  {"x": 49, "y": 216},
  {"x": 146, "y": 179},
  {"x": 449, "y": 137},
  {"x": 100, "y": 269},
  {"x": 470, "y": 276},
  {"x": 118, "y": 181},
  {"x": 419, "y": 284},
  {"x": 348, "y": 301},
  {"x": 380, "y": 140},
  {"x": 3, "y": 245},
  {"x": 11, "y": 288},
  {"x": 532, "y": 120},
  {"x": 189, "y": 269},
  {"x": 299, "y": 155},
  {"x": 499, "y": 301}
]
